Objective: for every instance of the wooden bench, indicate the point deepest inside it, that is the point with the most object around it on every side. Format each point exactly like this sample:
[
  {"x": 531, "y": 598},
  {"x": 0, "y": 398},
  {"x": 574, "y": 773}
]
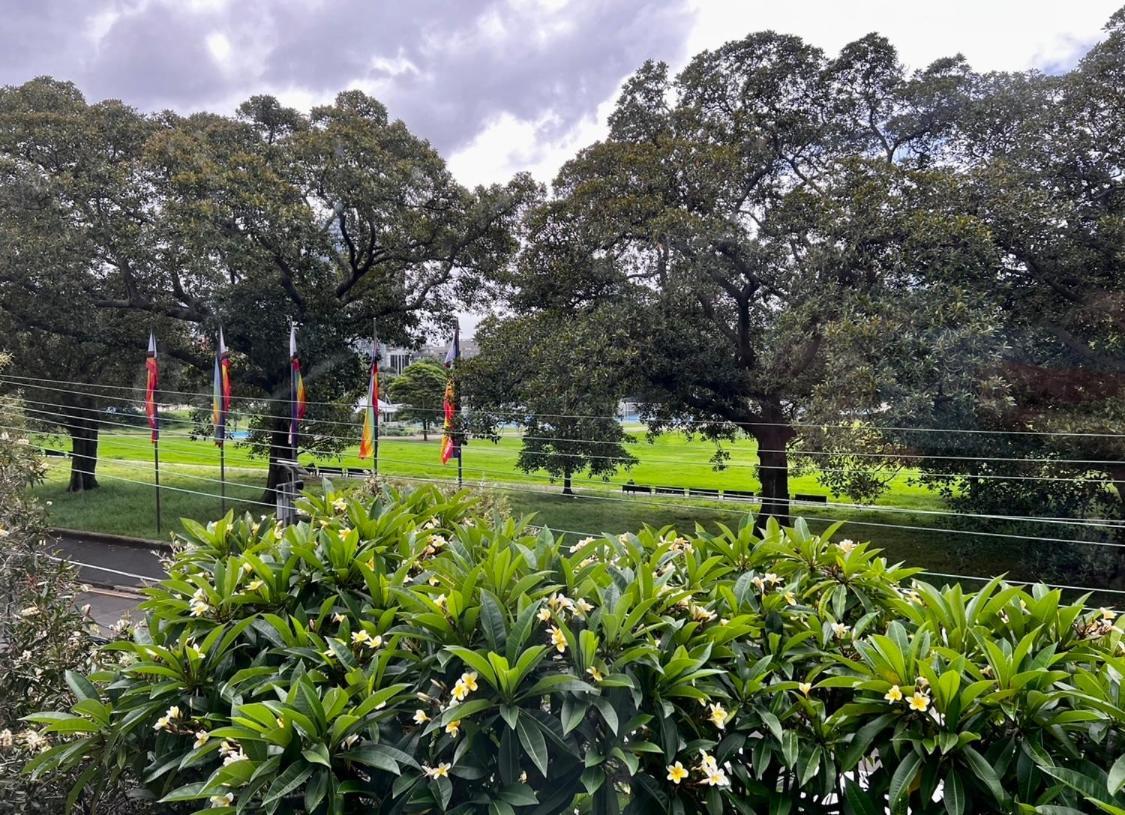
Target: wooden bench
[
  {"x": 811, "y": 499},
  {"x": 668, "y": 490},
  {"x": 636, "y": 488},
  {"x": 740, "y": 495},
  {"x": 704, "y": 491}
]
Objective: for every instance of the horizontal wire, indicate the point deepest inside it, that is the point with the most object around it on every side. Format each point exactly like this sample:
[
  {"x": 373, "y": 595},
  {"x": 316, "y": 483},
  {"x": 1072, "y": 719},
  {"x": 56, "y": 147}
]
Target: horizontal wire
[
  {"x": 351, "y": 440},
  {"x": 526, "y": 490},
  {"x": 1108, "y": 523},
  {"x": 204, "y": 394}
]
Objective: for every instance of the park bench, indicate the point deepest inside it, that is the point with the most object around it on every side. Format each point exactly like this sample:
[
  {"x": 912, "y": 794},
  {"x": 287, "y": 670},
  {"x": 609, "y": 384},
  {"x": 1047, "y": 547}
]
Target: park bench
[
  {"x": 668, "y": 490},
  {"x": 636, "y": 488},
  {"x": 739, "y": 495},
  {"x": 811, "y": 499},
  {"x": 704, "y": 491}
]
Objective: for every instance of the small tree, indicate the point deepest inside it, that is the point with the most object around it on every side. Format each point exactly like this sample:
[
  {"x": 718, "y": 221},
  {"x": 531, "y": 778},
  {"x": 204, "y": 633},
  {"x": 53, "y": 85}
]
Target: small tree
[
  {"x": 537, "y": 372},
  {"x": 419, "y": 387}
]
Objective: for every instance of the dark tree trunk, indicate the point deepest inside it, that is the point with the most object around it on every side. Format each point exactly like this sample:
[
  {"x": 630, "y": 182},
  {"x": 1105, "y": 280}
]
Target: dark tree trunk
[
  {"x": 773, "y": 436},
  {"x": 82, "y": 426},
  {"x": 425, "y": 430},
  {"x": 566, "y": 484},
  {"x": 279, "y": 449}
]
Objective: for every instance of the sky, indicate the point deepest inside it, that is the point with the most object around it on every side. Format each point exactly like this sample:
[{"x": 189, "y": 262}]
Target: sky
[{"x": 498, "y": 86}]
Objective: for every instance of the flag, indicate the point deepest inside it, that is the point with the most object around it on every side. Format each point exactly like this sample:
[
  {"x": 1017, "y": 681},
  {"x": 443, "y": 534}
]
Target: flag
[
  {"x": 150, "y": 386},
  {"x": 371, "y": 417},
  {"x": 449, "y": 446},
  {"x": 220, "y": 400},
  {"x": 297, "y": 399}
]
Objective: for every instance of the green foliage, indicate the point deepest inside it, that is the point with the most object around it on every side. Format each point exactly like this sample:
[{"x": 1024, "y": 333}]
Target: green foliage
[
  {"x": 420, "y": 387},
  {"x": 44, "y": 636},
  {"x": 402, "y": 653},
  {"x": 559, "y": 381}
]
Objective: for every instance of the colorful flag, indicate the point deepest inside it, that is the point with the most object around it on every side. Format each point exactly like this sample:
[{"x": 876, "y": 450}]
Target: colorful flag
[
  {"x": 220, "y": 400},
  {"x": 449, "y": 445},
  {"x": 150, "y": 387},
  {"x": 297, "y": 401},
  {"x": 371, "y": 416}
]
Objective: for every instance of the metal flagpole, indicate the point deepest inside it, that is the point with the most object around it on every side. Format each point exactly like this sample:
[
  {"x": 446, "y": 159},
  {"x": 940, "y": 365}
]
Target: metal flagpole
[
  {"x": 152, "y": 387},
  {"x": 375, "y": 397},
  {"x": 223, "y": 478}
]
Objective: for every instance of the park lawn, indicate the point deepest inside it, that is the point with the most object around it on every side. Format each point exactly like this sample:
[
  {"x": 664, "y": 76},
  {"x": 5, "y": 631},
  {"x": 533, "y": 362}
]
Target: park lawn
[
  {"x": 671, "y": 460},
  {"x": 189, "y": 471}
]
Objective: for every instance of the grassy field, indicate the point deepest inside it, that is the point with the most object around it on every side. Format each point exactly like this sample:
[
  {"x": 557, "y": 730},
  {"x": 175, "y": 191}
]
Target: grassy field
[{"x": 189, "y": 470}]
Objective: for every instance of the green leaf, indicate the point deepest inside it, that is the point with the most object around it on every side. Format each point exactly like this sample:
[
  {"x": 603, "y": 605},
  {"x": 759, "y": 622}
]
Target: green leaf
[
  {"x": 903, "y": 777},
  {"x": 953, "y": 793},
  {"x": 1116, "y": 778},
  {"x": 80, "y": 686},
  {"x": 985, "y": 772},
  {"x": 858, "y": 802},
  {"x": 533, "y": 742},
  {"x": 373, "y": 756},
  {"x": 287, "y": 782}
]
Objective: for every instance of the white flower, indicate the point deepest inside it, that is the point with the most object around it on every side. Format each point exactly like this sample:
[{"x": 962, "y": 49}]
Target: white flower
[
  {"x": 201, "y": 738},
  {"x": 718, "y": 716},
  {"x": 339, "y": 505},
  {"x": 431, "y": 524},
  {"x": 199, "y": 608},
  {"x": 717, "y": 779},
  {"x": 34, "y": 740},
  {"x": 584, "y": 542},
  {"x": 846, "y": 546},
  {"x": 420, "y": 716},
  {"x": 255, "y": 585},
  {"x": 223, "y": 800},
  {"x": 582, "y": 608},
  {"x": 840, "y": 630},
  {"x": 440, "y": 771}
]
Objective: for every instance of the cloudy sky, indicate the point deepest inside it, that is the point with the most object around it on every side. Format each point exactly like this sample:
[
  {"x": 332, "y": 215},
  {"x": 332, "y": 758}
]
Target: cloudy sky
[{"x": 497, "y": 85}]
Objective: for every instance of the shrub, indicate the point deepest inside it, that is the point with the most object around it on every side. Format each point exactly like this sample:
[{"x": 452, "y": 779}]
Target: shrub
[
  {"x": 43, "y": 634},
  {"x": 404, "y": 654}
]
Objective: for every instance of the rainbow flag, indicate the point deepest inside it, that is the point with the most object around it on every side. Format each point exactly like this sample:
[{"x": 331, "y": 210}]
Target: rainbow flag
[
  {"x": 150, "y": 387},
  {"x": 371, "y": 416},
  {"x": 449, "y": 444},
  {"x": 220, "y": 399},
  {"x": 297, "y": 401}
]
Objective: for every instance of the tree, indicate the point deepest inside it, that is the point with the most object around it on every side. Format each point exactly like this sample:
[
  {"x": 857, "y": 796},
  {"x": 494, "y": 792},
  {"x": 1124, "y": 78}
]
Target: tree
[
  {"x": 1041, "y": 161},
  {"x": 420, "y": 388},
  {"x": 551, "y": 378},
  {"x": 330, "y": 219},
  {"x": 740, "y": 219},
  {"x": 75, "y": 210}
]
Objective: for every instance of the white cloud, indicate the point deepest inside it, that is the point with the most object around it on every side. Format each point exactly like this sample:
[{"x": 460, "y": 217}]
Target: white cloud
[
  {"x": 509, "y": 145},
  {"x": 992, "y": 34},
  {"x": 219, "y": 46}
]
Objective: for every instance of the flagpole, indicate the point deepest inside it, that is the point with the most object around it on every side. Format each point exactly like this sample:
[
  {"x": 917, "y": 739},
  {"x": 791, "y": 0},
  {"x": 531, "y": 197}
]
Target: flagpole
[
  {"x": 375, "y": 397},
  {"x": 156, "y": 470},
  {"x": 223, "y": 478}
]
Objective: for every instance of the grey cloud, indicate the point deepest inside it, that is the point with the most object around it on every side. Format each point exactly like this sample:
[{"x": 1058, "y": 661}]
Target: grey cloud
[{"x": 437, "y": 70}]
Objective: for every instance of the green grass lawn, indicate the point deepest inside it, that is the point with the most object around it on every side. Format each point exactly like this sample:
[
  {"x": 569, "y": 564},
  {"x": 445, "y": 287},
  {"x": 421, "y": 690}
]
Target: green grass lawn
[{"x": 124, "y": 504}]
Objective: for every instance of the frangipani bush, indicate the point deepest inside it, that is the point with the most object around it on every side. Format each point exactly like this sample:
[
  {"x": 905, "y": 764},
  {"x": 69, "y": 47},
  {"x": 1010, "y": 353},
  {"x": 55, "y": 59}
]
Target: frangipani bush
[{"x": 405, "y": 654}]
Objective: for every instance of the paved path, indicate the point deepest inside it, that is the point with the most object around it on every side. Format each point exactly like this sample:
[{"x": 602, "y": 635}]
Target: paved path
[{"x": 105, "y": 564}]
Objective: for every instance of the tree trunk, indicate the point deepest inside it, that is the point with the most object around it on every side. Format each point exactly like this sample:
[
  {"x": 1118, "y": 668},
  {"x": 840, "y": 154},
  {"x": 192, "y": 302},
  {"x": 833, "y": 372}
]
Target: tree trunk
[
  {"x": 773, "y": 469},
  {"x": 82, "y": 426},
  {"x": 279, "y": 449},
  {"x": 566, "y": 484},
  {"x": 425, "y": 430}
]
